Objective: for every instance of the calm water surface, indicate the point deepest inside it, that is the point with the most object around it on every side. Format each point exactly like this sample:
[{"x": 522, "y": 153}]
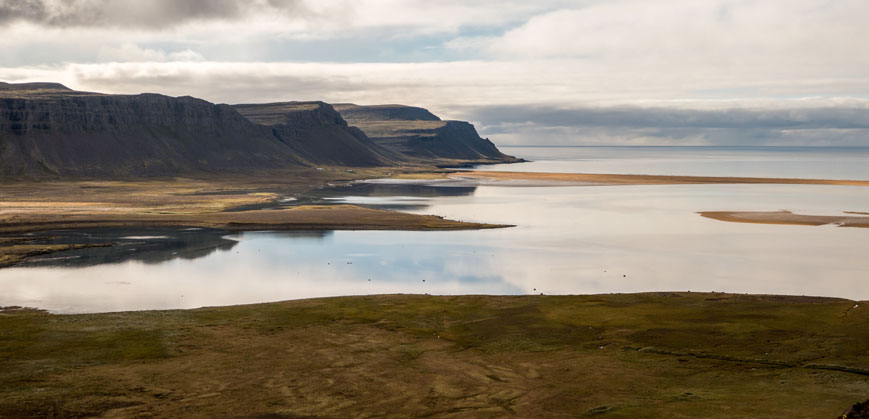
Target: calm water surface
[
  {"x": 796, "y": 162},
  {"x": 579, "y": 239}
]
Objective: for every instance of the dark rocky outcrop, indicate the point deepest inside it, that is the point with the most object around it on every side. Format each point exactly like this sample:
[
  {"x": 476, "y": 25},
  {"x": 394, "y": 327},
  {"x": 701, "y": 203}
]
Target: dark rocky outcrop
[
  {"x": 137, "y": 135},
  {"x": 317, "y": 132},
  {"x": 48, "y": 130},
  {"x": 418, "y": 134},
  {"x": 857, "y": 411}
]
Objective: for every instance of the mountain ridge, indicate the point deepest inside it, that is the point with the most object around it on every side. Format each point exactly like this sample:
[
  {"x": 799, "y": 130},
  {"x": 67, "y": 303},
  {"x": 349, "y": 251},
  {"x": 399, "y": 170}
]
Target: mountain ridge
[{"x": 50, "y": 131}]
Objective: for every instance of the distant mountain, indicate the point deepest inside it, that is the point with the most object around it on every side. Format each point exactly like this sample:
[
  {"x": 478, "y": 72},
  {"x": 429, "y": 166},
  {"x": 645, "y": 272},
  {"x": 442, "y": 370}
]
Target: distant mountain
[
  {"x": 417, "y": 133},
  {"x": 48, "y": 130},
  {"x": 316, "y": 132}
]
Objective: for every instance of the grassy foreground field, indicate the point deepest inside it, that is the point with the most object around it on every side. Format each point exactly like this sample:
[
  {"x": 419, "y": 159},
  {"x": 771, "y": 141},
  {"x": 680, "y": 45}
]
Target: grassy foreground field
[{"x": 673, "y": 355}]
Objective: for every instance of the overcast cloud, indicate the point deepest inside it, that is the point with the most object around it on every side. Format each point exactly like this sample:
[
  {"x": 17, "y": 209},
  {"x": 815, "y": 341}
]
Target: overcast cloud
[{"x": 557, "y": 72}]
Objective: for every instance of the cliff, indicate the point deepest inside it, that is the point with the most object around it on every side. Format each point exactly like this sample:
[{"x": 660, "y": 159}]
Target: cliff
[
  {"x": 418, "y": 134},
  {"x": 317, "y": 132},
  {"x": 50, "y": 131},
  {"x": 384, "y": 113},
  {"x": 47, "y": 130}
]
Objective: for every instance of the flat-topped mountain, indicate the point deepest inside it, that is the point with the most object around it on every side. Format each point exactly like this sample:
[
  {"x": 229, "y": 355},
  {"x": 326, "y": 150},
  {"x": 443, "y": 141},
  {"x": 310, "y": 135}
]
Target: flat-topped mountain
[
  {"x": 304, "y": 126},
  {"x": 384, "y": 113},
  {"x": 417, "y": 133},
  {"x": 48, "y": 130},
  {"x": 31, "y": 87}
]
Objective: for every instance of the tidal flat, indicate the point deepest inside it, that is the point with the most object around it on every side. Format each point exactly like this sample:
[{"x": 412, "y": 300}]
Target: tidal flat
[
  {"x": 216, "y": 202},
  {"x": 675, "y": 355}
]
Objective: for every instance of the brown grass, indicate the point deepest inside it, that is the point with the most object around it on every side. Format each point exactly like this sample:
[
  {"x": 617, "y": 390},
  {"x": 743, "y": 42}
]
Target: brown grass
[{"x": 656, "y": 355}]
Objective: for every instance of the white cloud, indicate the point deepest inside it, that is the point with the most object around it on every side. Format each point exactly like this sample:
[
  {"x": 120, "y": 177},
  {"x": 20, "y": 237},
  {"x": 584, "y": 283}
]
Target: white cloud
[
  {"x": 129, "y": 52},
  {"x": 714, "y": 54},
  {"x": 441, "y": 85}
]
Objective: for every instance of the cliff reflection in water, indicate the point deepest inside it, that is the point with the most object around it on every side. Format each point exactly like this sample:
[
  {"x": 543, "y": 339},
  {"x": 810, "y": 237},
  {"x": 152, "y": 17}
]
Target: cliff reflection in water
[
  {"x": 151, "y": 246},
  {"x": 402, "y": 196}
]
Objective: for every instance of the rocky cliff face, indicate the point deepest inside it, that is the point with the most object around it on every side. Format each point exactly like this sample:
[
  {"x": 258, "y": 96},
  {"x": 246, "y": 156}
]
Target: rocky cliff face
[
  {"x": 140, "y": 135},
  {"x": 318, "y": 133},
  {"x": 47, "y": 130},
  {"x": 418, "y": 134}
]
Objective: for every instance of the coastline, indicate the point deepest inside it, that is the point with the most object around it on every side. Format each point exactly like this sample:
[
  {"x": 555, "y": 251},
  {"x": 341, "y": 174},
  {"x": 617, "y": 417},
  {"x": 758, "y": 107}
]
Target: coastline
[
  {"x": 29, "y": 206},
  {"x": 624, "y": 179}
]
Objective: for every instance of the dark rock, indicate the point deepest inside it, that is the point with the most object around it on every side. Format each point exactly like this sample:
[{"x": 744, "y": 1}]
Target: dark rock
[
  {"x": 134, "y": 135},
  {"x": 418, "y": 134},
  {"x": 50, "y": 131},
  {"x": 315, "y": 131},
  {"x": 857, "y": 411}
]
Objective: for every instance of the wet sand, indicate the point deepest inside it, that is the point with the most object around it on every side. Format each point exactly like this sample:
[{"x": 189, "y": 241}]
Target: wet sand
[
  {"x": 14, "y": 250},
  {"x": 787, "y": 217},
  {"x": 618, "y": 179},
  {"x": 38, "y": 206},
  {"x": 313, "y": 217}
]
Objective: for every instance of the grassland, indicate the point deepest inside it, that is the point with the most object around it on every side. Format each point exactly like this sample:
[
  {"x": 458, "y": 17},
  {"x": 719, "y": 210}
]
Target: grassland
[{"x": 673, "y": 355}]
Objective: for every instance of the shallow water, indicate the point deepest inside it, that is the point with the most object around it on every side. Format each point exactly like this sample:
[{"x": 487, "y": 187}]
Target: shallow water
[{"x": 577, "y": 239}]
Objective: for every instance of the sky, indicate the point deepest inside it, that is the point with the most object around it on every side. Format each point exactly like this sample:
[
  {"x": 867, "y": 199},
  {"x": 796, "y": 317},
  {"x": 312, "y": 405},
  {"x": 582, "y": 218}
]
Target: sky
[{"x": 583, "y": 72}]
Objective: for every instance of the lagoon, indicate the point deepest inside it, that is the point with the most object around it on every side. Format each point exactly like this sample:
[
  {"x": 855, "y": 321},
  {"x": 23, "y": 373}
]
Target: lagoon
[{"x": 567, "y": 240}]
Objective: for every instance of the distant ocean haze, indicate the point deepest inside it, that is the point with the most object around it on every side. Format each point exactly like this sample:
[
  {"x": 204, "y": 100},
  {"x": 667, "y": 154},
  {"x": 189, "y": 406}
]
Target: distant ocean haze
[{"x": 792, "y": 162}]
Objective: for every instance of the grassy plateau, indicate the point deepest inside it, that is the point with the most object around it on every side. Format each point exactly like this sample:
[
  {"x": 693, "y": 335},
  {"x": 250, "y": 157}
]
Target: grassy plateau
[{"x": 673, "y": 355}]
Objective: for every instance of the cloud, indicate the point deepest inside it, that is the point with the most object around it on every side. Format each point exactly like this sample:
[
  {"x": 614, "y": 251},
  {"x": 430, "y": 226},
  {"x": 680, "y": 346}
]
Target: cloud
[
  {"x": 586, "y": 70},
  {"x": 114, "y": 13},
  {"x": 792, "y": 123},
  {"x": 132, "y": 52},
  {"x": 420, "y": 15},
  {"x": 817, "y": 117}
]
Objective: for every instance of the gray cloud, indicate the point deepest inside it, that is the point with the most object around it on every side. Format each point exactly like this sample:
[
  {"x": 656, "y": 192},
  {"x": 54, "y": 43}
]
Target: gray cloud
[
  {"x": 625, "y": 125},
  {"x": 132, "y": 13},
  {"x": 640, "y": 117}
]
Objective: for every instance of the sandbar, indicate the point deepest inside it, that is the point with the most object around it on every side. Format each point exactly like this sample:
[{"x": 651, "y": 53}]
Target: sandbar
[{"x": 787, "y": 217}]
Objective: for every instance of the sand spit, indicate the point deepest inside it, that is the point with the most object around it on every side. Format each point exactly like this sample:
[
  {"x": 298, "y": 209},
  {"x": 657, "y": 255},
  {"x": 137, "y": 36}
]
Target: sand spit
[{"x": 786, "y": 217}]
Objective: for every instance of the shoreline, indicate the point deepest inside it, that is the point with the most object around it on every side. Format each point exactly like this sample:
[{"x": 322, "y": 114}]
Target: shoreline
[
  {"x": 16, "y": 249},
  {"x": 27, "y": 207},
  {"x": 626, "y": 179}
]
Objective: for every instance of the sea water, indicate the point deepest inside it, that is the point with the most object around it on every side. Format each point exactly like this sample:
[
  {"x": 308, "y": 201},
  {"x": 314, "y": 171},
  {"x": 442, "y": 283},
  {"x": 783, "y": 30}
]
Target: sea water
[{"x": 566, "y": 240}]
